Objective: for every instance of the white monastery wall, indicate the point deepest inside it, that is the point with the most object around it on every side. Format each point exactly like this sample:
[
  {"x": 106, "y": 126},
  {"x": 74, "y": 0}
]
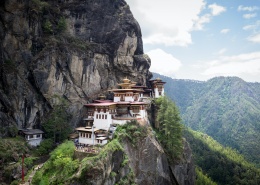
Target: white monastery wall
[{"x": 102, "y": 120}]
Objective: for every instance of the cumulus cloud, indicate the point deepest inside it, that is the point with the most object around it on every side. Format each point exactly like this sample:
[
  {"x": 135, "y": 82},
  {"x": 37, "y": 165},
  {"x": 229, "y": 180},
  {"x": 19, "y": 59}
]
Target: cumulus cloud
[
  {"x": 249, "y": 15},
  {"x": 254, "y": 38},
  {"x": 171, "y": 22},
  {"x": 163, "y": 63},
  {"x": 249, "y": 27},
  {"x": 244, "y": 65},
  {"x": 216, "y": 9},
  {"x": 166, "y": 22},
  {"x": 253, "y": 27},
  {"x": 199, "y": 21},
  {"x": 247, "y": 8},
  {"x": 224, "y": 31}
]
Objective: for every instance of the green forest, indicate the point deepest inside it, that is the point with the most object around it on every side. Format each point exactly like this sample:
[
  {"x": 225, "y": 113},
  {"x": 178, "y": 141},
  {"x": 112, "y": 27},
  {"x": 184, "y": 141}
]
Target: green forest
[
  {"x": 169, "y": 131},
  {"x": 225, "y": 108},
  {"x": 222, "y": 165}
]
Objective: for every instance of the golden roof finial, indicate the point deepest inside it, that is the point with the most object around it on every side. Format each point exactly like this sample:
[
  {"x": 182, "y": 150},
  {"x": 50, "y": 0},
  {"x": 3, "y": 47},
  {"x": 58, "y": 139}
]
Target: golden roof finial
[{"x": 126, "y": 80}]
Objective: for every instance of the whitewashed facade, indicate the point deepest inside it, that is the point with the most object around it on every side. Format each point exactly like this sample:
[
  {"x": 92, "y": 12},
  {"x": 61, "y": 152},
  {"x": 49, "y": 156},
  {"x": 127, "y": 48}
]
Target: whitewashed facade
[
  {"x": 32, "y": 136},
  {"x": 129, "y": 103}
]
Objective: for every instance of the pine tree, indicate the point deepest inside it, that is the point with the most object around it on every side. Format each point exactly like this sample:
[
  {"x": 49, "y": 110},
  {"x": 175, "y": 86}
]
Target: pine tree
[
  {"x": 170, "y": 129},
  {"x": 57, "y": 125}
]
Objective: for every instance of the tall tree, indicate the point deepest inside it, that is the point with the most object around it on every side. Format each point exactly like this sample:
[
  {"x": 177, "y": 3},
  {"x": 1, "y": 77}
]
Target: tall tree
[
  {"x": 170, "y": 127},
  {"x": 57, "y": 125}
]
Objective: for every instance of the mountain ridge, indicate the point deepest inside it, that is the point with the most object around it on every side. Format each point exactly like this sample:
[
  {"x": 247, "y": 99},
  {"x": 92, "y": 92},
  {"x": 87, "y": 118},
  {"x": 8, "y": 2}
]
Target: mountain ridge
[{"x": 226, "y": 108}]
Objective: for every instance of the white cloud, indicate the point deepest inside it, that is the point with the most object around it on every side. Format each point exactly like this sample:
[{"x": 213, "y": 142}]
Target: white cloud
[
  {"x": 247, "y": 8},
  {"x": 254, "y": 38},
  {"x": 222, "y": 51},
  {"x": 224, "y": 31},
  {"x": 216, "y": 9},
  {"x": 245, "y": 66},
  {"x": 252, "y": 26},
  {"x": 249, "y": 15},
  {"x": 200, "y": 21},
  {"x": 206, "y": 18},
  {"x": 163, "y": 63},
  {"x": 171, "y": 22},
  {"x": 166, "y": 22},
  {"x": 249, "y": 27}
]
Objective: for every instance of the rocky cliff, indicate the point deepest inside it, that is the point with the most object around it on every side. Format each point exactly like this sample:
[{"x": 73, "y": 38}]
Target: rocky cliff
[
  {"x": 71, "y": 48},
  {"x": 140, "y": 160},
  {"x": 77, "y": 49},
  {"x": 151, "y": 165}
]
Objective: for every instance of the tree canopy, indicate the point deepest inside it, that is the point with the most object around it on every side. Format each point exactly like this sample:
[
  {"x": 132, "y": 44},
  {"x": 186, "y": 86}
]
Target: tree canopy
[
  {"x": 226, "y": 108},
  {"x": 57, "y": 125},
  {"x": 170, "y": 127}
]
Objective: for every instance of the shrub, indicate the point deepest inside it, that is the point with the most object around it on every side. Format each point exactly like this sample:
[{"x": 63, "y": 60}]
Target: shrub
[
  {"x": 47, "y": 27},
  {"x": 60, "y": 167},
  {"x": 45, "y": 147},
  {"x": 62, "y": 25},
  {"x": 131, "y": 131}
]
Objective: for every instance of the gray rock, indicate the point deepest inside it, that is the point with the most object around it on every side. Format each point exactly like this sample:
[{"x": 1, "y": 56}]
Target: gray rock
[
  {"x": 101, "y": 45},
  {"x": 151, "y": 166}
]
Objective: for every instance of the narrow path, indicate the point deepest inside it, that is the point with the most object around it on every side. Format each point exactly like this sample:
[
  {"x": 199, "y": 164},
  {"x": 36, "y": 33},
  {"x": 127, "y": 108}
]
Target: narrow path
[{"x": 28, "y": 182}]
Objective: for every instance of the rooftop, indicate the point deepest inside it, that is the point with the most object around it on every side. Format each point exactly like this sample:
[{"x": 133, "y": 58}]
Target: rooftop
[
  {"x": 101, "y": 138},
  {"x": 32, "y": 131},
  {"x": 86, "y": 129}
]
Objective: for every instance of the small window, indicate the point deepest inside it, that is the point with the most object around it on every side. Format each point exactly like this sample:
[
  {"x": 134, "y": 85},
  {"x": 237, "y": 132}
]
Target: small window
[
  {"x": 38, "y": 135},
  {"x": 105, "y": 116},
  {"x": 30, "y": 136}
]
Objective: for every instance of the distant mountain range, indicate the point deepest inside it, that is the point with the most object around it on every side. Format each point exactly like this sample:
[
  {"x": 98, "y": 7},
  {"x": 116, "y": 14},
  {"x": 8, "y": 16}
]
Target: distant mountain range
[{"x": 226, "y": 108}]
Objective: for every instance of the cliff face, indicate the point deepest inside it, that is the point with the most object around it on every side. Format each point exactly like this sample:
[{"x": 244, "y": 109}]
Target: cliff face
[
  {"x": 71, "y": 48},
  {"x": 144, "y": 162},
  {"x": 184, "y": 169},
  {"x": 151, "y": 165},
  {"x": 149, "y": 162},
  {"x": 77, "y": 49}
]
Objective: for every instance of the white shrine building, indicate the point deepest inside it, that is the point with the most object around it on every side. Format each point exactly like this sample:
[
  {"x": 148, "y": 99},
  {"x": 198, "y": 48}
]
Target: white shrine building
[
  {"x": 129, "y": 103},
  {"x": 32, "y": 136}
]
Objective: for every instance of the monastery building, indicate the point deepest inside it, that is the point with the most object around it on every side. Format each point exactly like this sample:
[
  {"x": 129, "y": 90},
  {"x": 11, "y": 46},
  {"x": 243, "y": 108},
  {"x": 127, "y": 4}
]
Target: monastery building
[{"x": 129, "y": 103}]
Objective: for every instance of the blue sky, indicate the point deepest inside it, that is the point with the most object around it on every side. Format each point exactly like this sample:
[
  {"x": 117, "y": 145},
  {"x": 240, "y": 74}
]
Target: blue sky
[{"x": 201, "y": 39}]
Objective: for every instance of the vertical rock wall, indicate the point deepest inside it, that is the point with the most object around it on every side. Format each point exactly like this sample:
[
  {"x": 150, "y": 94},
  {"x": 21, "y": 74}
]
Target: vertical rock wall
[
  {"x": 151, "y": 165},
  {"x": 71, "y": 48}
]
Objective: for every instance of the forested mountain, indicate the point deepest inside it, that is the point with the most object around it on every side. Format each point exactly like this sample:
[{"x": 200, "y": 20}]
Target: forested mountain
[
  {"x": 226, "y": 108},
  {"x": 222, "y": 164}
]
